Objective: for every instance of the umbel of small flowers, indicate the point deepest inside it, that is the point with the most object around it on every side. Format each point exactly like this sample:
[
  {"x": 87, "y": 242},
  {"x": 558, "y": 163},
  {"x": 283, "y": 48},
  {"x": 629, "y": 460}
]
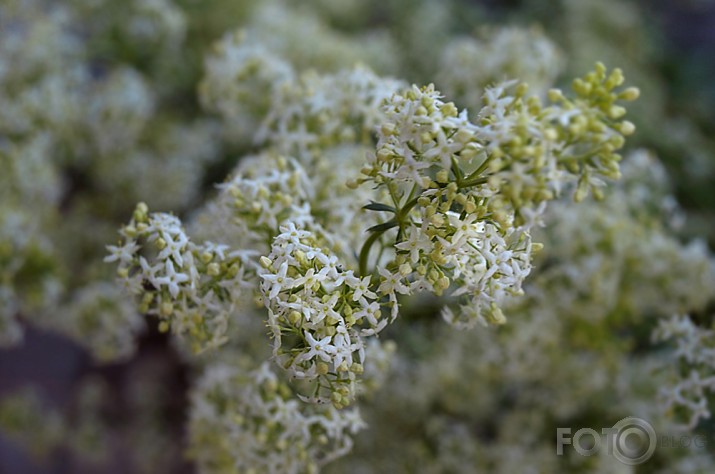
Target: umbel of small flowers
[
  {"x": 318, "y": 313},
  {"x": 192, "y": 288},
  {"x": 463, "y": 195}
]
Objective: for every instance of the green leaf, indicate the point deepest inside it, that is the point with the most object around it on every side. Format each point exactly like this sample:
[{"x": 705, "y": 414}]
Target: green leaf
[
  {"x": 378, "y": 206},
  {"x": 383, "y": 227}
]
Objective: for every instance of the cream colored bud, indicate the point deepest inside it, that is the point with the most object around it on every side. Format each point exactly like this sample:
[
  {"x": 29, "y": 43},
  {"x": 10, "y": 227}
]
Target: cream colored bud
[
  {"x": 294, "y": 317},
  {"x": 463, "y": 135},
  {"x": 140, "y": 211},
  {"x": 233, "y": 270},
  {"x": 388, "y": 128},
  {"x": 442, "y": 176},
  {"x": 469, "y": 151},
  {"x": 213, "y": 269},
  {"x": 522, "y": 89},
  {"x": 615, "y": 79},
  {"x": 631, "y": 93},
  {"x": 322, "y": 368},
  {"x": 383, "y": 154},
  {"x": 496, "y": 316},
  {"x": 627, "y": 128},
  {"x": 616, "y": 111},
  {"x": 555, "y": 95},
  {"x": 449, "y": 110}
]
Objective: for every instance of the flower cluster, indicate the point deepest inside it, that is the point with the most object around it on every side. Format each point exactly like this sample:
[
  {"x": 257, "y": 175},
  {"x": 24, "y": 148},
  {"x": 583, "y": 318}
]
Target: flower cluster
[
  {"x": 608, "y": 269},
  {"x": 103, "y": 318},
  {"x": 268, "y": 189},
  {"x": 264, "y": 191},
  {"x": 29, "y": 275},
  {"x": 248, "y": 421},
  {"x": 192, "y": 288},
  {"x": 619, "y": 255},
  {"x": 241, "y": 78},
  {"x": 318, "y": 313},
  {"x": 252, "y": 81},
  {"x": 319, "y": 111},
  {"x": 464, "y": 195},
  {"x": 467, "y": 65},
  {"x": 688, "y": 398}
]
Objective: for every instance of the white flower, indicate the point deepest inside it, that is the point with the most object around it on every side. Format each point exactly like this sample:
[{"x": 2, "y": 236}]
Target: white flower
[
  {"x": 278, "y": 281},
  {"x": 361, "y": 287},
  {"x": 174, "y": 247},
  {"x": 391, "y": 283},
  {"x": 124, "y": 254},
  {"x": 321, "y": 348},
  {"x": 171, "y": 278},
  {"x": 416, "y": 244}
]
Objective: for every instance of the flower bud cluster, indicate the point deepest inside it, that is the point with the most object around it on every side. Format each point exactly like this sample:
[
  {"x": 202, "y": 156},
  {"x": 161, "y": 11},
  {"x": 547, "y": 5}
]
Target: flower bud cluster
[
  {"x": 249, "y": 421},
  {"x": 192, "y": 288}
]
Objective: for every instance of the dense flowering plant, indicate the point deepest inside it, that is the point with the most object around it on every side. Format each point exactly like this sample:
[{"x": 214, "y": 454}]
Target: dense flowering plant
[{"x": 388, "y": 277}]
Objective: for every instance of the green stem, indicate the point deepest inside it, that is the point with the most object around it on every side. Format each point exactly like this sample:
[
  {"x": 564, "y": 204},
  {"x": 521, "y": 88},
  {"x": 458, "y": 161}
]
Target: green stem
[
  {"x": 474, "y": 182},
  {"x": 401, "y": 214},
  {"x": 479, "y": 170},
  {"x": 365, "y": 250}
]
